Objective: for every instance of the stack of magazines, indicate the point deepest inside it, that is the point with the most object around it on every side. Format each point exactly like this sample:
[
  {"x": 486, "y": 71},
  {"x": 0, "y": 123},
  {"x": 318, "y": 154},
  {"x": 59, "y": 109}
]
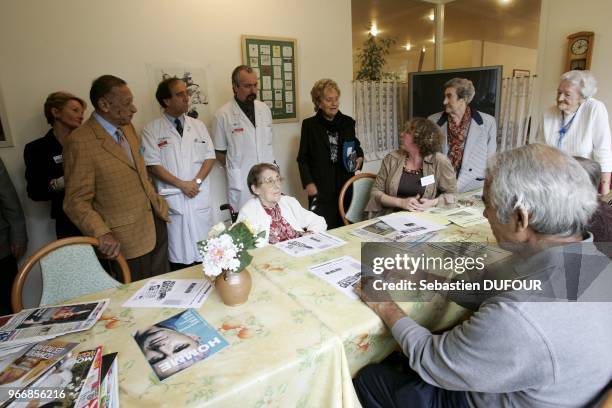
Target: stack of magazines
[
  {"x": 51, "y": 374},
  {"x": 31, "y": 326}
]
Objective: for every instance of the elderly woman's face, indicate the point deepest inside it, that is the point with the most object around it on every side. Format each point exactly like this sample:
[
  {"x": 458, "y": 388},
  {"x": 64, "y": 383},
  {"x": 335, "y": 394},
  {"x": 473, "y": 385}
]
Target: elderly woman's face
[
  {"x": 329, "y": 103},
  {"x": 569, "y": 97},
  {"x": 452, "y": 104},
  {"x": 269, "y": 188}
]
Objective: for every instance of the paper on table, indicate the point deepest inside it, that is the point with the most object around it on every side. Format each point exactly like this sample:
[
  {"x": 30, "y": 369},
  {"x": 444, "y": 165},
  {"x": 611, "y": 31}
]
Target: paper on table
[
  {"x": 181, "y": 293},
  {"x": 409, "y": 225},
  {"x": 467, "y": 216},
  {"x": 379, "y": 231},
  {"x": 310, "y": 244},
  {"x": 342, "y": 273}
]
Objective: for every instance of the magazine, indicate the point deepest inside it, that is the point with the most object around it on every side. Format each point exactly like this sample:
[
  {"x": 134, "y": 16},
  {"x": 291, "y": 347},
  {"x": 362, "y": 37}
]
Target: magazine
[
  {"x": 174, "y": 344},
  {"x": 34, "y": 325},
  {"x": 109, "y": 385},
  {"x": 91, "y": 387},
  {"x": 29, "y": 366},
  {"x": 183, "y": 293}
]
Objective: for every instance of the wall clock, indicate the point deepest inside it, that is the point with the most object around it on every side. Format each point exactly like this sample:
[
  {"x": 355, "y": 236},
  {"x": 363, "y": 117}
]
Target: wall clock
[{"x": 579, "y": 50}]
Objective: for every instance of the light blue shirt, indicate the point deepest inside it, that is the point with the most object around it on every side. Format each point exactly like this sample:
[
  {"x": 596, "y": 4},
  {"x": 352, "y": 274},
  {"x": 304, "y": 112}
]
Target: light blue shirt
[
  {"x": 172, "y": 119},
  {"x": 109, "y": 127}
]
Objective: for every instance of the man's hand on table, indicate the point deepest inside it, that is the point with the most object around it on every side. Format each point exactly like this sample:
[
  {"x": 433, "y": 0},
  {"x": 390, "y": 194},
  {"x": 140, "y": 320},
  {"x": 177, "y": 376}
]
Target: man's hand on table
[
  {"x": 109, "y": 247},
  {"x": 388, "y": 310}
]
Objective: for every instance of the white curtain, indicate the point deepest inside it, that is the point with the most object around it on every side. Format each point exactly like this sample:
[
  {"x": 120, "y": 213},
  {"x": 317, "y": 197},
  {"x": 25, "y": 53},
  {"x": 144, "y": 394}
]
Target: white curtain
[
  {"x": 379, "y": 112},
  {"x": 516, "y": 111}
]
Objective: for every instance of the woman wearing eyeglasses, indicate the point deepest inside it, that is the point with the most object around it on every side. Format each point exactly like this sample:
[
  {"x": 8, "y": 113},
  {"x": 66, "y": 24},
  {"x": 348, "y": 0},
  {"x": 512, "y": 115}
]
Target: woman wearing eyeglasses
[{"x": 282, "y": 217}]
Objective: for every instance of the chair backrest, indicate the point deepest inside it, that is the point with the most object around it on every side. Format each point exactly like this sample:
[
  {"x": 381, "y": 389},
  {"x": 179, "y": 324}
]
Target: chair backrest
[
  {"x": 69, "y": 269},
  {"x": 362, "y": 184}
]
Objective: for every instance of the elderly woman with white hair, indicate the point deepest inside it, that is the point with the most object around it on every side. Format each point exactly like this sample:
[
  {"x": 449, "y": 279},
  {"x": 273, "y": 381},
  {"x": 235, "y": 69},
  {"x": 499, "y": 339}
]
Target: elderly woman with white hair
[
  {"x": 578, "y": 124},
  {"x": 470, "y": 136}
]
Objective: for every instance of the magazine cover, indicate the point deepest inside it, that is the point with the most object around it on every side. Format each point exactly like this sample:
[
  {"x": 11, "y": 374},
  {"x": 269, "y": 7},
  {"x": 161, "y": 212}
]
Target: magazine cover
[
  {"x": 178, "y": 342},
  {"x": 109, "y": 386},
  {"x": 31, "y": 365},
  {"x": 91, "y": 387}
]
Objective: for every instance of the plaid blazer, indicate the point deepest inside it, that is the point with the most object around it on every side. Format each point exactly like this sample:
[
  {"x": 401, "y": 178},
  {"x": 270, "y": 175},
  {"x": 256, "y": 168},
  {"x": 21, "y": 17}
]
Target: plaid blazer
[{"x": 106, "y": 192}]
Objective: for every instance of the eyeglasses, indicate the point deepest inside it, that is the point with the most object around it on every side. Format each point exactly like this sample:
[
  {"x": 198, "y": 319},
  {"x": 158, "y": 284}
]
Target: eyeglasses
[{"x": 272, "y": 180}]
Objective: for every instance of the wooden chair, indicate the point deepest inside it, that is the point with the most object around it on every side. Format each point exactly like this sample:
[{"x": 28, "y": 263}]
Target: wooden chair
[
  {"x": 362, "y": 184},
  {"x": 69, "y": 269}
]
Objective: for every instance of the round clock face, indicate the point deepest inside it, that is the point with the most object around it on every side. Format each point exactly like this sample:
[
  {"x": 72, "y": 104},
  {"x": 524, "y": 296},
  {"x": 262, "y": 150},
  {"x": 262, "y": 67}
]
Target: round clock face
[{"x": 580, "y": 46}]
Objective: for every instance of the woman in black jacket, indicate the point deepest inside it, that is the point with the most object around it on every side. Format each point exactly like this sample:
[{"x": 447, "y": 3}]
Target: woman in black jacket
[
  {"x": 329, "y": 152},
  {"x": 44, "y": 160}
]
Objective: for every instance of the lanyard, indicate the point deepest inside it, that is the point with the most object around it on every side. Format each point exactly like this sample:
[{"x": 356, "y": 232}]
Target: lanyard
[{"x": 565, "y": 128}]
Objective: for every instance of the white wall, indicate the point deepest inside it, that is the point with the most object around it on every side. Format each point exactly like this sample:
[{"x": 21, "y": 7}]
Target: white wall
[
  {"x": 62, "y": 45},
  {"x": 560, "y": 18}
]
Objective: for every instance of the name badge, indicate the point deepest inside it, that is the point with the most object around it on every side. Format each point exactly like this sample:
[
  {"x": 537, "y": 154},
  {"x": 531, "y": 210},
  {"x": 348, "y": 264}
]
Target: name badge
[
  {"x": 425, "y": 181},
  {"x": 236, "y": 130},
  {"x": 58, "y": 159},
  {"x": 162, "y": 144}
]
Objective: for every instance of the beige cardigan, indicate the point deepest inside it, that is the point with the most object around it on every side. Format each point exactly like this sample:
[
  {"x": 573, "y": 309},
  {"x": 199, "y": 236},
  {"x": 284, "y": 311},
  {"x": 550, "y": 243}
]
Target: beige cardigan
[{"x": 387, "y": 181}]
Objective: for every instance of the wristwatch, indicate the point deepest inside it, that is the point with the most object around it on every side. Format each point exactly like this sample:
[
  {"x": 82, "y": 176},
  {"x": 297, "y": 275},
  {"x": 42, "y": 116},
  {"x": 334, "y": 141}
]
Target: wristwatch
[{"x": 198, "y": 181}]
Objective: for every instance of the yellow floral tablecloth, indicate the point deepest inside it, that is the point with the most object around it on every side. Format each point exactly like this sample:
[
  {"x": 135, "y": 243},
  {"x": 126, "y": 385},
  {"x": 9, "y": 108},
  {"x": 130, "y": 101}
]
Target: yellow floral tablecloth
[
  {"x": 296, "y": 342},
  {"x": 279, "y": 355}
]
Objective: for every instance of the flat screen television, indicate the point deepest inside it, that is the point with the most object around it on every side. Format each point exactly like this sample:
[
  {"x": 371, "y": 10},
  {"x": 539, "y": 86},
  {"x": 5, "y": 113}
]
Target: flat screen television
[{"x": 426, "y": 90}]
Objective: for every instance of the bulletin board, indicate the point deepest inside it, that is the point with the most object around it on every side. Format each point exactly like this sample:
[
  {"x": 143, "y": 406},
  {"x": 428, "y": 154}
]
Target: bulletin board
[{"x": 274, "y": 62}]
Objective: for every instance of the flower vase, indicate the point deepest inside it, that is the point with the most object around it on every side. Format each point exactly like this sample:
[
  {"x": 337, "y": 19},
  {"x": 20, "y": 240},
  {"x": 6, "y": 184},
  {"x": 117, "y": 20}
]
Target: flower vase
[{"x": 234, "y": 287}]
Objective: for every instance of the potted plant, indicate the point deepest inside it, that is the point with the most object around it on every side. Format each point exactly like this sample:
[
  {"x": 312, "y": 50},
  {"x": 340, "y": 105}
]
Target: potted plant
[
  {"x": 225, "y": 256},
  {"x": 372, "y": 58}
]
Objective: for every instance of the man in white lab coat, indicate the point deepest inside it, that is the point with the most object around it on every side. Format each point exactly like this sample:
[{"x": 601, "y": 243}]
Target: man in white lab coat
[
  {"x": 179, "y": 153},
  {"x": 242, "y": 131}
]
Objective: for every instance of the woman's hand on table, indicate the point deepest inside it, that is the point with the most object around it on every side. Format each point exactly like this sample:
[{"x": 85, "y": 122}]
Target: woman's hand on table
[
  {"x": 410, "y": 203},
  {"x": 427, "y": 202}
]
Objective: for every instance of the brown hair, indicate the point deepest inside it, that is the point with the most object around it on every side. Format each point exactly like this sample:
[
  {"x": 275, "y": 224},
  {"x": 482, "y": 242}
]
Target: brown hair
[
  {"x": 254, "y": 177},
  {"x": 57, "y": 100},
  {"x": 426, "y": 135}
]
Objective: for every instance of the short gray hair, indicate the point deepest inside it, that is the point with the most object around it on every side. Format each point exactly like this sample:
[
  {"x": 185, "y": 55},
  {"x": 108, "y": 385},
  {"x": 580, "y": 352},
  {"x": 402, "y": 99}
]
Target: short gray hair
[
  {"x": 464, "y": 88},
  {"x": 584, "y": 80},
  {"x": 592, "y": 168},
  {"x": 236, "y": 73},
  {"x": 548, "y": 184}
]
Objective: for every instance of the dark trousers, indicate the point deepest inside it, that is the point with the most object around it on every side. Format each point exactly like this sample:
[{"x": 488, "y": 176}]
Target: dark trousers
[
  {"x": 379, "y": 385},
  {"x": 174, "y": 266},
  {"x": 8, "y": 272},
  {"x": 152, "y": 263}
]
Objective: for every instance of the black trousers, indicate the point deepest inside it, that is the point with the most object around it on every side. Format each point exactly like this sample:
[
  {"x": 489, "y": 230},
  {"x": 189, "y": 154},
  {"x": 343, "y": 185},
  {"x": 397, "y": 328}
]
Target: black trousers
[
  {"x": 174, "y": 266},
  {"x": 8, "y": 272},
  {"x": 379, "y": 385}
]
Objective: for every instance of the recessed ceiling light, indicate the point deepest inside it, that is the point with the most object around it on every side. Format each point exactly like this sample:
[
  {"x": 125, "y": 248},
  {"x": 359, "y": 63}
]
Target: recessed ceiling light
[
  {"x": 431, "y": 16},
  {"x": 505, "y": 1},
  {"x": 423, "y": 49}
]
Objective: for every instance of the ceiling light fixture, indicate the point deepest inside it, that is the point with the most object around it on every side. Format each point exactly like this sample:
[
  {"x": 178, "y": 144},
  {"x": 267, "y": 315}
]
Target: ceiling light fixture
[
  {"x": 374, "y": 30},
  {"x": 408, "y": 46},
  {"x": 431, "y": 16},
  {"x": 423, "y": 49}
]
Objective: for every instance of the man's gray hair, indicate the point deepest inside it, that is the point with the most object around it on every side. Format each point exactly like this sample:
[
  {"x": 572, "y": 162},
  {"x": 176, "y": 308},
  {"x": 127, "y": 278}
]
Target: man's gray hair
[
  {"x": 464, "y": 88},
  {"x": 584, "y": 80},
  {"x": 545, "y": 182},
  {"x": 236, "y": 73}
]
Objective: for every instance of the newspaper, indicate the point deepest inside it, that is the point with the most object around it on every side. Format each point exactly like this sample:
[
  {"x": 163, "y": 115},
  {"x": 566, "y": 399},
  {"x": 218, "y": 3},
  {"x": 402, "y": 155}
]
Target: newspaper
[
  {"x": 34, "y": 325},
  {"x": 310, "y": 244},
  {"x": 379, "y": 231},
  {"x": 409, "y": 225},
  {"x": 467, "y": 216},
  {"x": 182, "y": 293},
  {"x": 342, "y": 273}
]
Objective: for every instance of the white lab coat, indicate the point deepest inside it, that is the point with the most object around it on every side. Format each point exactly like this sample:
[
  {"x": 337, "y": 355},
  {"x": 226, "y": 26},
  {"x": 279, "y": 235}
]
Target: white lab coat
[
  {"x": 245, "y": 144},
  {"x": 190, "y": 218}
]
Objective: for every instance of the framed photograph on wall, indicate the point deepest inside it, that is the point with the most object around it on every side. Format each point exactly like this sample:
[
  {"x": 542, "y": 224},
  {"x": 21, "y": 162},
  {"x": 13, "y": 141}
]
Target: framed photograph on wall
[
  {"x": 274, "y": 60},
  {"x": 5, "y": 136},
  {"x": 519, "y": 73}
]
